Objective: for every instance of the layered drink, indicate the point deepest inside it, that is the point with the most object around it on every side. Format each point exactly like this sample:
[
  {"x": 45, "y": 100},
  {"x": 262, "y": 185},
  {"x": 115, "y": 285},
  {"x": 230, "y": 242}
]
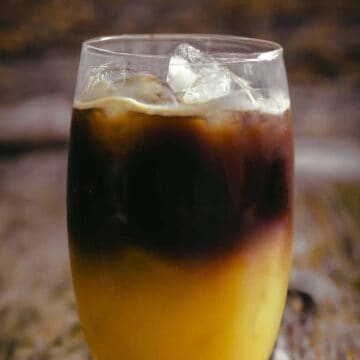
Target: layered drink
[{"x": 180, "y": 221}]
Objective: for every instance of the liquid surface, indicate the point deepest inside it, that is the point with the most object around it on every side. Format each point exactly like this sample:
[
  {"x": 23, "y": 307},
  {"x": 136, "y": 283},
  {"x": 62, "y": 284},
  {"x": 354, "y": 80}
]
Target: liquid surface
[{"x": 180, "y": 231}]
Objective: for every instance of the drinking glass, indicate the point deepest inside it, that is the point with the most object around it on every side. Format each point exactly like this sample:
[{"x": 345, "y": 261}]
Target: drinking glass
[{"x": 179, "y": 196}]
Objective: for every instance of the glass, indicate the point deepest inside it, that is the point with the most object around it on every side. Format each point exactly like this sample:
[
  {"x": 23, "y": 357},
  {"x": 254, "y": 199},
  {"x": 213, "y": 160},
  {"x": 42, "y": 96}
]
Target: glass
[{"x": 180, "y": 204}]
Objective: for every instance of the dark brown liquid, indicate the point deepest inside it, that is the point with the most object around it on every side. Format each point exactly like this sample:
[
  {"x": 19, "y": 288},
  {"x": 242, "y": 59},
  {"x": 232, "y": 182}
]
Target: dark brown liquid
[{"x": 175, "y": 186}]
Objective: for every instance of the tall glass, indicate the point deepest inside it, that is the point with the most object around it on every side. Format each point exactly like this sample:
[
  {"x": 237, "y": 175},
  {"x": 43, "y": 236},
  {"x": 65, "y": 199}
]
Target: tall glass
[{"x": 180, "y": 196}]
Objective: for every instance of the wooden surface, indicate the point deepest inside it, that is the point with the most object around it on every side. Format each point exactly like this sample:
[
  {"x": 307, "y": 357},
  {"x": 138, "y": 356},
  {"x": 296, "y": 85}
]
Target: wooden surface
[{"x": 38, "y": 319}]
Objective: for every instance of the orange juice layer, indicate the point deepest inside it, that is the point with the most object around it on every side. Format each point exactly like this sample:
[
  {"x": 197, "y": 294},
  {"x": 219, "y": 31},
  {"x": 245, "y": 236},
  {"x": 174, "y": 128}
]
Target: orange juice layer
[{"x": 136, "y": 306}]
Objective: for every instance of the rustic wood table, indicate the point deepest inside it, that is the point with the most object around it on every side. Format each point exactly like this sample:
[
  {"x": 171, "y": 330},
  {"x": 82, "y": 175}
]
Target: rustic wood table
[{"x": 38, "y": 317}]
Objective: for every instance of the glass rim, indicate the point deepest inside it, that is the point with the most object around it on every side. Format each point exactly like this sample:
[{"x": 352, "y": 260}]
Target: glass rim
[{"x": 266, "y": 50}]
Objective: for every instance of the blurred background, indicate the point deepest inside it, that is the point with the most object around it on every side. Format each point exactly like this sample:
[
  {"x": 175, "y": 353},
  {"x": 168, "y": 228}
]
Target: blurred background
[{"x": 39, "y": 52}]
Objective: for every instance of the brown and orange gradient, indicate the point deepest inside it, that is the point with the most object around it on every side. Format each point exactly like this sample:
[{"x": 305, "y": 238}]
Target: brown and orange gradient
[{"x": 180, "y": 232}]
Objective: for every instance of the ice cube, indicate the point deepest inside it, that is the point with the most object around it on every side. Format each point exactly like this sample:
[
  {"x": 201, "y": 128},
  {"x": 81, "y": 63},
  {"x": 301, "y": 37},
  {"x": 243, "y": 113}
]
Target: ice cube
[
  {"x": 196, "y": 77},
  {"x": 100, "y": 81},
  {"x": 115, "y": 80},
  {"x": 146, "y": 88},
  {"x": 211, "y": 83},
  {"x": 180, "y": 76}
]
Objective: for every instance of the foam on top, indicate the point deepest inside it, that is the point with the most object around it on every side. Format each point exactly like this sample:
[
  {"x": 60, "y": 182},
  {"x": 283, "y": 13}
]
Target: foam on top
[{"x": 114, "y": 104}]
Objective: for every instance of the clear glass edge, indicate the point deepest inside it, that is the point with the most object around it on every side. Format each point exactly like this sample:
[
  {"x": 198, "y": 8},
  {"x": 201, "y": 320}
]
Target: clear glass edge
[{"x": 266, "y": 55}]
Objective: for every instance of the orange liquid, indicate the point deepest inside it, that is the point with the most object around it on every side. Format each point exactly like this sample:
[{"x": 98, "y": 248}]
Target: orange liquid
[{"x": 135, "y": 306}]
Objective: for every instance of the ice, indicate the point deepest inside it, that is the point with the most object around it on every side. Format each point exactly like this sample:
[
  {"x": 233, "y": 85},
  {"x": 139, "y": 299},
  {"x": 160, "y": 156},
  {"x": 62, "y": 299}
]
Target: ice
[
  {"x": 116, "y": 80},
  {"x": 193, "y": 79},
  {"x": 196, "y": 77}
]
